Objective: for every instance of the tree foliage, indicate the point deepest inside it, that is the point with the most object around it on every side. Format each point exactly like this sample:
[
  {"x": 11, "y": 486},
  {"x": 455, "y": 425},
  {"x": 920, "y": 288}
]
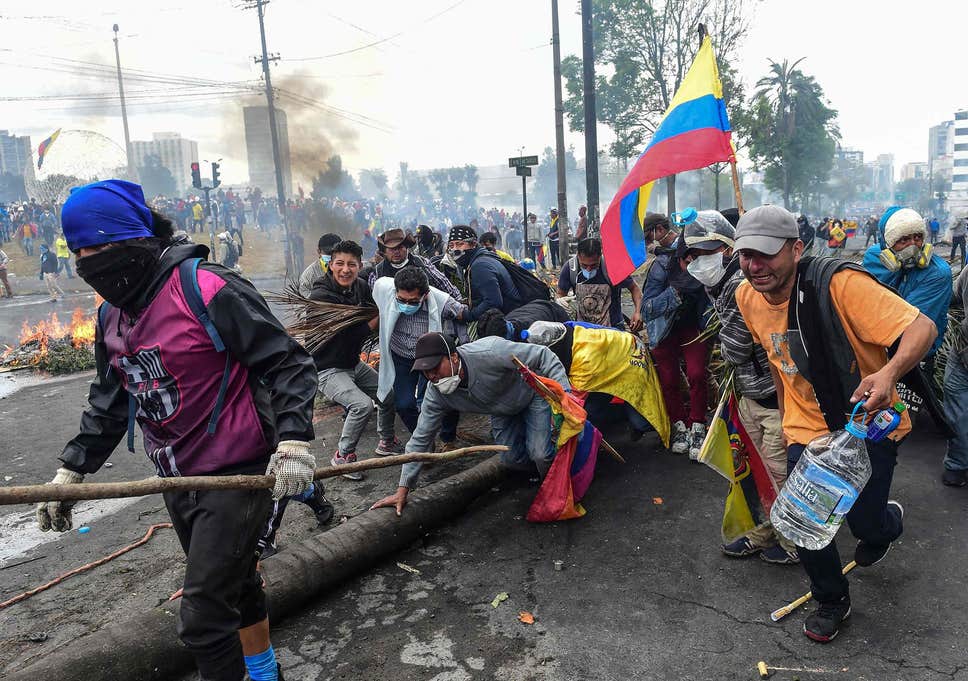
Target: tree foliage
[
  {"x": 792, "y": 132},
  {"x": 334, "y": 181},
  {"x": 545, "y": 192},
  {"x": 848, "y": 179},
  {"x": 373, "y": 182},
  {"x": 156, "y": 179},
  {"x": 645, "y": 48}
]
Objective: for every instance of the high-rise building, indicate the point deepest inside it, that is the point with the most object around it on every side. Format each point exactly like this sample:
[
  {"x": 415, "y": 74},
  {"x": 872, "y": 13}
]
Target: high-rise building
[
  {"x": 850, "y": 155},
  {"x": 881, "y": 178},
  {"x": 917, "y": 170},
  {"x": 175, "y": 153},
  {"x": 258, "y": 146},
  {"x": 15, "y": 155},
  {"x": 958, "y": 198},
  {"x": 941, "y": 147}
]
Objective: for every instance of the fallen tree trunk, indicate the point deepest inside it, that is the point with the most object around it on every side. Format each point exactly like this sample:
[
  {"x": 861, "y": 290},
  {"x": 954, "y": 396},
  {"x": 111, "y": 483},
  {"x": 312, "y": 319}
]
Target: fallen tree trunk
[
  {"x": 146, "y": 647},
  {"x": 25, "y": 494}
]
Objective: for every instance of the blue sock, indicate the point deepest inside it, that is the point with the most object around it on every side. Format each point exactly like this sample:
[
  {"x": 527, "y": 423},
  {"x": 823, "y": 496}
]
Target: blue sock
[
  {"x": 307, "y": 495},
  {"x": 262, "y": 667}
]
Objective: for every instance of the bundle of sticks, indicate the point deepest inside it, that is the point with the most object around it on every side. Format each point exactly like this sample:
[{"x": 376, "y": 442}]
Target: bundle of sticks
[{"x": 315, "y": 323}]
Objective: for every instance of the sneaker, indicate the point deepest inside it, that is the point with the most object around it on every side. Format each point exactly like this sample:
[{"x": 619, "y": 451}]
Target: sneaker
[
  {"x": 777, "y": 555},
  {"x": 388, "y": 447},
  {"x": 867, "y": 554},
  {"x": 741, "y": 548},
  {"x": 339, "y": 460},
  {"x": 954, "y": 478},
  {"x": 680, "y": 438},
  {"x": 320, "y": 505},
  {"x": 823, "y": 624},
  {"x": 697, "y": 435}
]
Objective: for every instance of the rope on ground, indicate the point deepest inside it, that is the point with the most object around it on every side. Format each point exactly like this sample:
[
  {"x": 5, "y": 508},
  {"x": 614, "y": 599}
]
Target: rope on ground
[{"x": 84, "y": 568}]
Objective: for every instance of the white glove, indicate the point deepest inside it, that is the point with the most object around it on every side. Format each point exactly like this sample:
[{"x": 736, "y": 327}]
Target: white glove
[
  {"x": 56, "y": 515},
  {"x": 294, "y": 466}
]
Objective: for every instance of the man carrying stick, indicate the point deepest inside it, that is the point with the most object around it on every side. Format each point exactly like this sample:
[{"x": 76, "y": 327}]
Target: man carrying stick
[
  {"x": 482, "y": 378},
  {"x": 218, "y": 387},
  {"x": 835, "y": 306}
]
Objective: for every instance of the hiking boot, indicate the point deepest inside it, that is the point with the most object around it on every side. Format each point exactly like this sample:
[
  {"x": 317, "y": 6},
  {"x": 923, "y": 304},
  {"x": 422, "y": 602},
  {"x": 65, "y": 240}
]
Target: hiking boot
[
  {"x": 954, "y": 478},
  {"x": 823, "y": 624},
  {"x": 741, "y": 548},
  {"x": 340, "y": 460},
  {"x": 388, "y": 447},
  {"x": 320, "y": 505},
  {"x": 777, "y": 555},
  {"x": 697, "y": 435},
  {"x": 680, "y": 438},
  {"x": 867, "y": 554}
]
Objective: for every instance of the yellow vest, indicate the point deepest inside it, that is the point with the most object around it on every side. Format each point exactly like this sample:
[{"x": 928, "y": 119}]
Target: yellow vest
[{"x": 60, "y": 247}]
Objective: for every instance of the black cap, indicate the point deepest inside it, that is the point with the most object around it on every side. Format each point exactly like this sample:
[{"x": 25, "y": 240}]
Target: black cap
[{"x": 431, "y": 348}]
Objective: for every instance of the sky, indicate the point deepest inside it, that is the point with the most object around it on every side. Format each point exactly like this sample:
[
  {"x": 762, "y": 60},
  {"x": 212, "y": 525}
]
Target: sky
[{"x": 431, "y": 82}]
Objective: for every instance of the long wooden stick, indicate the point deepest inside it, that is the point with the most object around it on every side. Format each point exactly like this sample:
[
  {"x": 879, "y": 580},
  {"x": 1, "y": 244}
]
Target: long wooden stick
[
  {"x": 736, "y": 188},
  {"x": 780, "y": 613},
  {"x": 546, "y": 393},
  {"x": 26, "y": 494}
]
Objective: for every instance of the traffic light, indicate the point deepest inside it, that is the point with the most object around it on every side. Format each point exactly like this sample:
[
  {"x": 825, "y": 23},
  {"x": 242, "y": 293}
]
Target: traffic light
[
  {"x": 196, "y": 176},
  {"x": 215, "y": 175}
]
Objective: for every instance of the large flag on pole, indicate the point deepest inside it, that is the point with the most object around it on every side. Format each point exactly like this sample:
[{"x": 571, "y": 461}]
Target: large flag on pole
[
  {"x": 694, "y": 133},
  {"x": 45, "y": 147}
]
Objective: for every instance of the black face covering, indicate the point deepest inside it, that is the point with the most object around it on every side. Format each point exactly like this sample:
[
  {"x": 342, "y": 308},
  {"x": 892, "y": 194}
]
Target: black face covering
[
  {"x": 465, "y": 259},
  {"x": 120, "y": 274}
]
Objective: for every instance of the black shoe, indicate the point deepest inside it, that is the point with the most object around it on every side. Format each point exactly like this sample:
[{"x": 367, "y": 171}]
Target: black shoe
[
  {"x": 867, "y": 554},
  {"x": 741, "y": 548},
  {"x": 322, "y": 508},
  {"x": 823, "y": 624},
  {"x": 954, "y": 478}
]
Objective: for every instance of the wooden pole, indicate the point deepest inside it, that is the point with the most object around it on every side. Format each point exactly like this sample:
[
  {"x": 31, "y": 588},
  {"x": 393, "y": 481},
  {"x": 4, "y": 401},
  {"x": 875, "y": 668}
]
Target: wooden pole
[
  {"x": 27, "y": 494},
  {"x": 736, "y": 188}
]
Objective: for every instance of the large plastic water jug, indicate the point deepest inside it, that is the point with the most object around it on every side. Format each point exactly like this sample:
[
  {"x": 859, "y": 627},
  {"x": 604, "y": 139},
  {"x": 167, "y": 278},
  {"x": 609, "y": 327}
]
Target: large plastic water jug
[
  {"x": 823, "y": 486},
  {"x": 544, "y": 333}
]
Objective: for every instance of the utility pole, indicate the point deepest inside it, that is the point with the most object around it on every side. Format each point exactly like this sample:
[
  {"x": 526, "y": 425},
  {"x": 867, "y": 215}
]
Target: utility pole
[
  {"x": 274, "y": 134},
  {"x": 591, "y": 117},
  {"x": 559, "y": 139},
  {"x": 124, "y": 110}
]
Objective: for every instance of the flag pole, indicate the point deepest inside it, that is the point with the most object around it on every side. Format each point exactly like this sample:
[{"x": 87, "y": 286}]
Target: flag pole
[{"x": 736, "y": 187}]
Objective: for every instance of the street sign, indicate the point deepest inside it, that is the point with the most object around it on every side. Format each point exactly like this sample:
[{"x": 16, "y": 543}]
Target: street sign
[
  {"x": 518, "y": 161},
  {"x": 524, "y": 171}
]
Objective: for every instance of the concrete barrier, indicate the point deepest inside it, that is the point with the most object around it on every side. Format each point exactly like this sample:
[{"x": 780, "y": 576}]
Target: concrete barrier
[{"x": 147, "y": 646}]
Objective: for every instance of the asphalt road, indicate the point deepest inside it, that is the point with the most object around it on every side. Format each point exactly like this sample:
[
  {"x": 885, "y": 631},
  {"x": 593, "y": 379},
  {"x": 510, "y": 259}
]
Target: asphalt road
[{"x": 644, "y": 593}]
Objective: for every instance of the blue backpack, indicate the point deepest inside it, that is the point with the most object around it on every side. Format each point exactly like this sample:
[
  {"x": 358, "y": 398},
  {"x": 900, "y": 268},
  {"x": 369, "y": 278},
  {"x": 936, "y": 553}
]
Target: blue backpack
[{"x": 188, "y": 272}]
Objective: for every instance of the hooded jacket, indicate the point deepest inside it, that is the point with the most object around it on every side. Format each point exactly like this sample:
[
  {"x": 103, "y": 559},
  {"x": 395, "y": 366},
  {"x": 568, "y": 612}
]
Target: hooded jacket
[
  {"x": 165, "y": 360},
  {"x": 490, "y": 284},
  {"x": 343, "y": 351}
]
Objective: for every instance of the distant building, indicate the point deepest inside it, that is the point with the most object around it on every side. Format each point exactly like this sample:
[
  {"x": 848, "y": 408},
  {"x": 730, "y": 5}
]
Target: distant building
[
  {"x": 881, "y": 178},
  {"x": 15, "y": 154},
  {"x": 258, "y": 145},
  {"x": 176, "y": 154},
  {"x": 958, "y": 198},
  {"x": 851, "y": 155},
  {"x": 914, "y": 171}
]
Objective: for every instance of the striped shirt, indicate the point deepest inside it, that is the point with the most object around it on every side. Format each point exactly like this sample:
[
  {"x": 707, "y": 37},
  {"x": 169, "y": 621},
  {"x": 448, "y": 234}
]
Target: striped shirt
[
  {"x": 410, "y": 327},
  {"x": 753, "y": 377}
]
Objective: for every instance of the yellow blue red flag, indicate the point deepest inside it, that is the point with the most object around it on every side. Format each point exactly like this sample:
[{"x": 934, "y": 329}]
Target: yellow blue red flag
[
  {"x": 694, "y": 133},
  {"x": 45, "y": 147}
]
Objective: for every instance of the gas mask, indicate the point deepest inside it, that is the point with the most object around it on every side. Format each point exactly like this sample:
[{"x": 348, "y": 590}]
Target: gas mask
[
  {"x": 909, "y": 257},
  {"x": 707, "y": 269}
]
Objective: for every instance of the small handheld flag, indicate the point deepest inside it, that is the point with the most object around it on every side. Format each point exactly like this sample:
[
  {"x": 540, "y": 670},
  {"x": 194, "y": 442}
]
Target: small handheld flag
[{"x": 45, "y": 147}]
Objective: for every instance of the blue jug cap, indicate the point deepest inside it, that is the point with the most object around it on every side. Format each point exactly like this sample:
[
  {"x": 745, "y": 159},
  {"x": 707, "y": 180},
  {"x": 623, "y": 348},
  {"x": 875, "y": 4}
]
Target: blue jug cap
[{"x": 524, "y": 334}]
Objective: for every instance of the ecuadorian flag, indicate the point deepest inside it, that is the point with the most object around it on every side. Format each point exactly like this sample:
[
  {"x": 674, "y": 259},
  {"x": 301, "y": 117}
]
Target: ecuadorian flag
[
  {"x": 45, "y": 147},
  {"x": 694, "y": 133}
]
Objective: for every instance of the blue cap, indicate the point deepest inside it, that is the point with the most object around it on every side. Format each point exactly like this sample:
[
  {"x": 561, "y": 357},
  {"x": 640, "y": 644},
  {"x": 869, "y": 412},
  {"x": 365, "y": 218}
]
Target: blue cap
[
  {"x": 685, "y": 217},
  {"x": 524, "y": 334},
  {"x": 104, "y": 212}
]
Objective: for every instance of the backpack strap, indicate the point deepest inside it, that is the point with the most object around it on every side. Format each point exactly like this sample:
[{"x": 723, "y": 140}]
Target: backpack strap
[
  {"x": 188, "y": 273},
  {"x": 573, "y": 271}
]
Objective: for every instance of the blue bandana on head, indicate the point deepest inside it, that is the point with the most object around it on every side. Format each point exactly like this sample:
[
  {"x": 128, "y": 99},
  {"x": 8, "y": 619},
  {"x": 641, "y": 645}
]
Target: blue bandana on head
[{"x": 104, "y": 212}]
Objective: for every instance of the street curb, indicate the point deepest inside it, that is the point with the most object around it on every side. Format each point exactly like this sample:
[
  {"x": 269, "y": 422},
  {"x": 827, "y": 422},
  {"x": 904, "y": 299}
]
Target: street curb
[{"x": 147, "y": 646}]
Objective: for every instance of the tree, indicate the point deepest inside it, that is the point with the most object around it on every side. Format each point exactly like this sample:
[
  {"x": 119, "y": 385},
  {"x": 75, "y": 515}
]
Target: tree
[
  {"x": 402, "y": 185},
  {"x": 645, "y": 48},
  {"x": 334, "y": 181},
  {"x": 156, "y": 179},
  {"x": 545, "y": 191},
  {"x": 373, "y": 182},
  {"x": 792, "y": 132},
  {"x": 847, "y": 180}
]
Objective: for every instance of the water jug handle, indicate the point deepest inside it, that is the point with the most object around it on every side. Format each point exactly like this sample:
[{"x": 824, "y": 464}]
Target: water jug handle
[{"x": 853, "y": 414}]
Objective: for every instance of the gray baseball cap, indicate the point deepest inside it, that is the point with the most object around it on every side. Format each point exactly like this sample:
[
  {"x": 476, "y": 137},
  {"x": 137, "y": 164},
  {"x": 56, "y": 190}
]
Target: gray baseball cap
[{"x": 765, "y": 229}]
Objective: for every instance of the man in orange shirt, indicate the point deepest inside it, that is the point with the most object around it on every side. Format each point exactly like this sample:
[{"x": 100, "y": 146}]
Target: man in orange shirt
[{"x": 826, "y": 353}]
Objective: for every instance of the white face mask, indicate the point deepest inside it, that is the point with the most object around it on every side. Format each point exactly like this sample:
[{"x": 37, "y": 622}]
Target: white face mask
[
  {"x": 707, "y": 269},
  {"x": 449, "y": 384},
  {"x": 399, "y": 266}
]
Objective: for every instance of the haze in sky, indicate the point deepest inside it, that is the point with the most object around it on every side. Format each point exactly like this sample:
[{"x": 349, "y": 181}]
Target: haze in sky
[{"x": 432, "y": 82}]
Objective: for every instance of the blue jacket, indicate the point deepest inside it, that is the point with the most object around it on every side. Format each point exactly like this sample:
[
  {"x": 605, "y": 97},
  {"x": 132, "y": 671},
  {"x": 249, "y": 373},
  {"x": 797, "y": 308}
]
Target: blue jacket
[
  {"x": 928, "y": 289},
  {"x": 668, "y": 294},
  {"x": 490, "y": 285}
]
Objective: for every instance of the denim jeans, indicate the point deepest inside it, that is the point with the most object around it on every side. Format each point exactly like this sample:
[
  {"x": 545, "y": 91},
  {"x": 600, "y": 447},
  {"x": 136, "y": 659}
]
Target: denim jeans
[
  {"x": 64, "y": 264},
  {"x": 527, "y": 436},
  {"x": 599, "y": 409},
  {"x": 956, "y": 409},
  {"x": 870, "y": 520},
  {"x": 408, "y": 391},
  {"x": 355, "y": 389}
]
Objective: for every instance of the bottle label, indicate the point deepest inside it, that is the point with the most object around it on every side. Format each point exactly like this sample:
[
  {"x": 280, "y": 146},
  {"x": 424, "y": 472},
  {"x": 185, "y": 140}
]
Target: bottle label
[{"x": 822, "y": 497}]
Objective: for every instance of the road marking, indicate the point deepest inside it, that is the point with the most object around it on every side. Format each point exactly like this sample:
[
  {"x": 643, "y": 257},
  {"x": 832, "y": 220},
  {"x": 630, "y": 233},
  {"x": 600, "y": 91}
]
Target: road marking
[
  {"x": 19, "y": 532},
  {"x": 46, "y": 301}
]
